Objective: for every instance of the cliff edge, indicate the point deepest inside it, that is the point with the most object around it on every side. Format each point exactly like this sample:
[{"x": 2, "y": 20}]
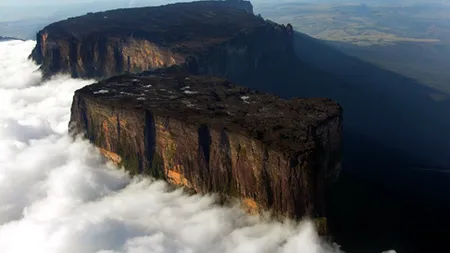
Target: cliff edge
[
  {"x": 215, "y": 37},
  {"x": 210, "y": 135}
]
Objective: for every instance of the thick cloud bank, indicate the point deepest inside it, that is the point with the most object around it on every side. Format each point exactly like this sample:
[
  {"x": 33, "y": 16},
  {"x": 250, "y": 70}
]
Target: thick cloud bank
[{"x": 60, "y": 196}]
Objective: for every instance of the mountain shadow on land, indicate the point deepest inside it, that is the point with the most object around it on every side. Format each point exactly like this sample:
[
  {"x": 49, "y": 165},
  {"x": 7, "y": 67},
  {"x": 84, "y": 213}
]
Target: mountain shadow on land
[
  {"x": 392, "y": 130},
  {"x": 395, "y": 110},
  {"x": 393, "y": 190}
]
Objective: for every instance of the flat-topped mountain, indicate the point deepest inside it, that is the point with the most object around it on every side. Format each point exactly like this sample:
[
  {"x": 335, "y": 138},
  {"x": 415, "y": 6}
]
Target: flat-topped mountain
[
  {"x": 212, "y": 136},
  {"x": 107, "y": 43}
]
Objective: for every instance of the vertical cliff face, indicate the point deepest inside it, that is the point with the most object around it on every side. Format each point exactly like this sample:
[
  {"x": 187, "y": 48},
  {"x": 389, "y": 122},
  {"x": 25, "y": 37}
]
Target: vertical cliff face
[
  {"x": 223, "y": 38},
  {"x": 101, "y": 55},
  {"x": 211, "y": 136},
  {"x": 247, "y": 54}
]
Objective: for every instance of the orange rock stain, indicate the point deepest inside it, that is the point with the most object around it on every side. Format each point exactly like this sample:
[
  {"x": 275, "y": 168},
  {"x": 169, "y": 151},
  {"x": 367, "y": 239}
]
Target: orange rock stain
[
  {"x": 250, "y": 206},
  {"x": 113, "y": 157},
  {"x": 176, "y": 178}
]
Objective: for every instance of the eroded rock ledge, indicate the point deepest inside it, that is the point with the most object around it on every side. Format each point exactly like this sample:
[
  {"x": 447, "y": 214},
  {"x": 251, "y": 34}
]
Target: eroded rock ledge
[{"x": 213, "y": 136}]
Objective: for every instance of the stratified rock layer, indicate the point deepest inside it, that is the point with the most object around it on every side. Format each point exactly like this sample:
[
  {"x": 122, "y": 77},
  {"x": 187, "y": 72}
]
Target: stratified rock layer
[
  {"x": 212, "y": 136},
  {"x": 208, "y": 36}
]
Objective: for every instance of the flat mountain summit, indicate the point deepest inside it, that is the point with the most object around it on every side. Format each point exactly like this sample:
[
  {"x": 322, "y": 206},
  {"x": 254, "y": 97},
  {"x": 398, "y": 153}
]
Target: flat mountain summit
[
  {"x": 168, "y": 24},
  {"x": 218, "y": 102}
]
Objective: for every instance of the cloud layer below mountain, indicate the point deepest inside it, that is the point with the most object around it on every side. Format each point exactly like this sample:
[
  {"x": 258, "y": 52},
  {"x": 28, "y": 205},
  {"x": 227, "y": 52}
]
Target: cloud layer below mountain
[{"x": 59, "y": 195}]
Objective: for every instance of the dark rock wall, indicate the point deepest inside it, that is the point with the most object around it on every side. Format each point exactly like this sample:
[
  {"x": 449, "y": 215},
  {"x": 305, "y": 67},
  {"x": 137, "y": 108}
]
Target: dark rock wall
[
  {"x": 214, "y": 159},
  {"x": 246, "y": 54}
]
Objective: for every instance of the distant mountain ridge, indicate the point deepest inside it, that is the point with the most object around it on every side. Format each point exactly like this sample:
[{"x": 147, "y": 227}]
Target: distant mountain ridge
[{"x": 8, "y": 38}]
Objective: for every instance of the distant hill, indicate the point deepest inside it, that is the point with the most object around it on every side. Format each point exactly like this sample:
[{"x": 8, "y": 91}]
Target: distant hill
[{"x": 8, "y": 38}]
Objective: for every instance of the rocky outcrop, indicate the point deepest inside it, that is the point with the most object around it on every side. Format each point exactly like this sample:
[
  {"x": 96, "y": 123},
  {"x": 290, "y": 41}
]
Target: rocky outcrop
[
  {"x": 219, "y": 37},
  {"x": 209, "y": 135}
]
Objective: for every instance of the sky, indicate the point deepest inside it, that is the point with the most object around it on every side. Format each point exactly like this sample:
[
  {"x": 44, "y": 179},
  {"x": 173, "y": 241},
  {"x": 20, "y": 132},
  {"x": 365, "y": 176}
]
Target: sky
[
  {"x": 45, "y": 2},
  {"x": 32, "y": 10},
  {"x": 59, "y": 195},
  {"x": 69, "y": 2}
]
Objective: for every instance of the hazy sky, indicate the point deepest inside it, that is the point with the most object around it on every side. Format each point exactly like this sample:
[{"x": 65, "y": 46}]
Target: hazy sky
[
  {"x": 149, "y": 2},
  {"x": 38, "y": 2},
  {"x": 66, "y": 2}
]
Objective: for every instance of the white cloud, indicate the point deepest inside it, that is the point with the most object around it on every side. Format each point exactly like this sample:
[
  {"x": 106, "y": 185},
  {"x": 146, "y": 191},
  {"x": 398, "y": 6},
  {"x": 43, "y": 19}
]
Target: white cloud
[{"x": 57, "y": 195}]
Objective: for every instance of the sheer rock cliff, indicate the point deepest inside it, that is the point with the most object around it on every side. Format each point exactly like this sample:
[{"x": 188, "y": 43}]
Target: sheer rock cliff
[
  {"x": 223, "y": 38},
  {"x": 210, "y": 135}
]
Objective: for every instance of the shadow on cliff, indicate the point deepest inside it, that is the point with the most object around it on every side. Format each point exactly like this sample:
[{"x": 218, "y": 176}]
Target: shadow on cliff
[{"x": 392, "y": 127}]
